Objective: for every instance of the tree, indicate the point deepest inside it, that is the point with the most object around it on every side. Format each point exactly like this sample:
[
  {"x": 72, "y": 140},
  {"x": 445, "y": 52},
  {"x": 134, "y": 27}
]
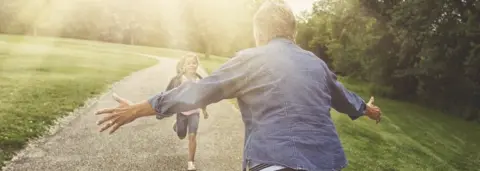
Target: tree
[{"x": 425, "y": 50}]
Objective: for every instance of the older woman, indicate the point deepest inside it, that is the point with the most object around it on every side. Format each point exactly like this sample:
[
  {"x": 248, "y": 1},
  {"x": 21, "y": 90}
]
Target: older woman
[{"x": 284, "y": 93}]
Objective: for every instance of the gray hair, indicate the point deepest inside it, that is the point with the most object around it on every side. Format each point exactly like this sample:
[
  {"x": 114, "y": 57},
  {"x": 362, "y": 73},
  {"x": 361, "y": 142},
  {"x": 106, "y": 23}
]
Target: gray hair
[{"x": 274, "y": 19}]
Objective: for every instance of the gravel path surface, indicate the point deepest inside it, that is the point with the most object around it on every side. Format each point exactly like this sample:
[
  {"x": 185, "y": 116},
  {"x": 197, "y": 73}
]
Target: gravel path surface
[{"x": 144, "y": 145}]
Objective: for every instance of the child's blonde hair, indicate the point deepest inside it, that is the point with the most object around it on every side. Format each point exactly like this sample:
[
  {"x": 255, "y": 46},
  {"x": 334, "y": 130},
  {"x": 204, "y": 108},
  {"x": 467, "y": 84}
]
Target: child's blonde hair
[{"x": 181, "y": 62}]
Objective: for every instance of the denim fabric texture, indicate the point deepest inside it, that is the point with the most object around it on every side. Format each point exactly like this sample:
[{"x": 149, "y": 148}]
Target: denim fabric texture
[{"x": 285, "y": 95}]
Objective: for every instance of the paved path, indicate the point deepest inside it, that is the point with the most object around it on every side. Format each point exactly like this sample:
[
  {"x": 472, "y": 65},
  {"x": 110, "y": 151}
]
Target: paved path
[{"x": 144, "y": 145}]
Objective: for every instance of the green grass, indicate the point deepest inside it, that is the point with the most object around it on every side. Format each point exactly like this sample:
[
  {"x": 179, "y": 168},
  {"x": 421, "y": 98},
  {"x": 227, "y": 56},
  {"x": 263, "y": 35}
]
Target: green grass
[
  {"x": 409, "y": 138},
  {"x": 42, "y": 79},
  {"x": 87, "y": 45}
]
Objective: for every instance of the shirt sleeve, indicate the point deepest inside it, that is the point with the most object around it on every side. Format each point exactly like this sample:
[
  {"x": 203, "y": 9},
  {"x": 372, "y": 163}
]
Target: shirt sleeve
[
  {"x": 343, "y": 100},
  {"x": 200, "y": 77},
  {"x": 224, "y": 83}
]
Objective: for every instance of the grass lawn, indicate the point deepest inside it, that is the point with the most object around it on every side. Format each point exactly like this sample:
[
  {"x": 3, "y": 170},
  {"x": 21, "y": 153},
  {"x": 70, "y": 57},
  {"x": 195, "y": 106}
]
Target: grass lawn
[
  {"x": 42, "y": 79},
  {"x": 409, "y": 138}
]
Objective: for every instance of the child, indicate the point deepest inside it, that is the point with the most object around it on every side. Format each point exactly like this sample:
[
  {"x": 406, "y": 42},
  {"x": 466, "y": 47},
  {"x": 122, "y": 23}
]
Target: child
[{"x": 187, "y": 71}]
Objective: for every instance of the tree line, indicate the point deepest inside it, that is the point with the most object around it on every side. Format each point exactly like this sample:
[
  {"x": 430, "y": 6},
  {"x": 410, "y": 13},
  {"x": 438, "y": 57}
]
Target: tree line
[
  {"x": 426, "y": 51},
  {"x": 208, "y": 26}
]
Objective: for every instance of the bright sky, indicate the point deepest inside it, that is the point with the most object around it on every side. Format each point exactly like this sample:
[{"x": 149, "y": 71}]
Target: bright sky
[{"x": 300, "y": 5}]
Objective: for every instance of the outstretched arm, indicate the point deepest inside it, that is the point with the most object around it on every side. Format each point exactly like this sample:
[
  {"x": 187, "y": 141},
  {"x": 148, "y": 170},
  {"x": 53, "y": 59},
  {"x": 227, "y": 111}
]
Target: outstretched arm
[
  {"x": 174, "y": 82},
  {"x": 349, "y": 103},
  {"x": 343, "y": 100},
  {"x": 224, "y": 83},
  {"x": 204, "y": 109},
  {"x": 221, "y": 84}
]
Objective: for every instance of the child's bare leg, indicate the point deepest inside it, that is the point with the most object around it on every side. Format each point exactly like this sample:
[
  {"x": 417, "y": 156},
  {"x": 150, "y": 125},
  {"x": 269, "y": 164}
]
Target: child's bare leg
[
  {"x": 192, "y": 139},
  {"x": 192, "y": 146}
]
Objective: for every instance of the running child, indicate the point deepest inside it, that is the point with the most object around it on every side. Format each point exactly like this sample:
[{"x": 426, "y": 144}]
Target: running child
[{"x": 187, "y": 121}]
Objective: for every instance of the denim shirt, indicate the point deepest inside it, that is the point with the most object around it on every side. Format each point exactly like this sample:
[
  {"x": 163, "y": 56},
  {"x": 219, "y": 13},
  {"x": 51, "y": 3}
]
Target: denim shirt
[{"x": 285, "y": 95}]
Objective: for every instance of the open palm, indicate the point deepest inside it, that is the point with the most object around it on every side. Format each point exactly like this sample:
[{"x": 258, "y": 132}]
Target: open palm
[{"x": 117, "y": 116}]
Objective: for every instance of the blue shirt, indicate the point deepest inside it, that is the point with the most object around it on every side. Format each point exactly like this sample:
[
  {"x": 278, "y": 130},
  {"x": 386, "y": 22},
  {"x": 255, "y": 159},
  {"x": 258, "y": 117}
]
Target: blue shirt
[{"x": 285, "y": 95}]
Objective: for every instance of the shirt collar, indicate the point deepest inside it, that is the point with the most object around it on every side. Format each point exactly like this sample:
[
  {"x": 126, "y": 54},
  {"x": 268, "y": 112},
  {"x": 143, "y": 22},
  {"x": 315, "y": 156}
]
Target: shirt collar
[{"x": 280, "y": 40}]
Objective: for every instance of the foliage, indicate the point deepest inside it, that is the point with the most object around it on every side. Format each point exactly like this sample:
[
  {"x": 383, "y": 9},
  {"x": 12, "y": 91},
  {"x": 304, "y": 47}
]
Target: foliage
[
  {"x": 213, "y": 27},
  {"x": 425, "y": 50},
  {"x": 42, "y": 80}
]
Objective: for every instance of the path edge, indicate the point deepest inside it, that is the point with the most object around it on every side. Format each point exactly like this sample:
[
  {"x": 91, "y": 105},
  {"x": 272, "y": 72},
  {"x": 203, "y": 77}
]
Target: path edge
[{"x": 68, "y": 118}]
